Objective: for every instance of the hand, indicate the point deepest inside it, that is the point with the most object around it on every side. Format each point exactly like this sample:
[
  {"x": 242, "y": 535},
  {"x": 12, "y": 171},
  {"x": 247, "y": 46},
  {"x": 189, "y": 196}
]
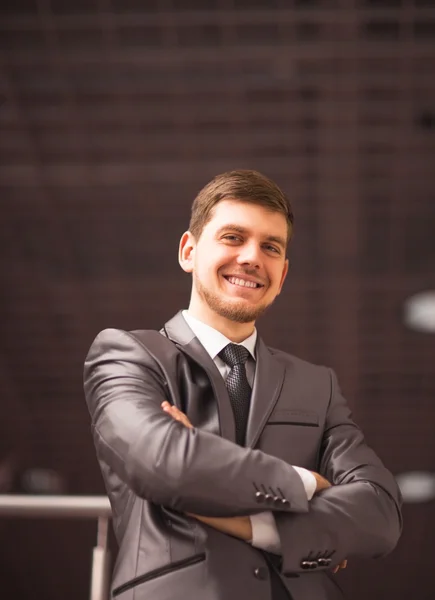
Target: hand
[
  {"x": 176, "y": 414},
  {"x": 342, "y": 565},
  {"x": 322, "y": 483}
]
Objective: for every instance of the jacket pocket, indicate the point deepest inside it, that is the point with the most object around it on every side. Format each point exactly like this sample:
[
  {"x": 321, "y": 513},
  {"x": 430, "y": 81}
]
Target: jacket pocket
[
  {"x": 175, "y": 566},
  {"x": 294, "y": 417}
]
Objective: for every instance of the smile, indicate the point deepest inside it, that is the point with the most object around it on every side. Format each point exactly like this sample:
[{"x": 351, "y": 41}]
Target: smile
[{"x": 243, "y": 282}]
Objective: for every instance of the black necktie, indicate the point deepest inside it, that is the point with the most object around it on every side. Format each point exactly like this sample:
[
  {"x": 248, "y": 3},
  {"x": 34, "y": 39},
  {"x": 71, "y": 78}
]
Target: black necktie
[{"x": 239, "y": 390}]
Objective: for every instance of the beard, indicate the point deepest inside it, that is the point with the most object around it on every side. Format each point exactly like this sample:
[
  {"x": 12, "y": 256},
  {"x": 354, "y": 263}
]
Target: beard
[{"x": 236, "y": 311}]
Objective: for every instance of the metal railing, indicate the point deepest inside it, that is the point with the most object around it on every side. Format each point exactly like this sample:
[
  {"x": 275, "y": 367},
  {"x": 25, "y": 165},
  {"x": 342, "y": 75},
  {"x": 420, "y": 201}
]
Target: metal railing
[{"x": 70, "y": 507}]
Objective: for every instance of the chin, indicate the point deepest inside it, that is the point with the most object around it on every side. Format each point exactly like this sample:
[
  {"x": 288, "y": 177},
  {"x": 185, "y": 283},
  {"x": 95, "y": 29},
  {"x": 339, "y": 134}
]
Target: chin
[{"x": 239, "y": 311}]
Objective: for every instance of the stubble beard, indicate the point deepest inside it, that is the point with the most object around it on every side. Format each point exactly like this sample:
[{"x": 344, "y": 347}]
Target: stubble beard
[{"x": 237, "y": 312}]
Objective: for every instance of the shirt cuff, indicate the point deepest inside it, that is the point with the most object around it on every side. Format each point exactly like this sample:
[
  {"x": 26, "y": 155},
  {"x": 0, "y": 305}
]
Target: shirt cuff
[
  {"x": 308, "y": 479},
  {"x": 265, "y": 534}
]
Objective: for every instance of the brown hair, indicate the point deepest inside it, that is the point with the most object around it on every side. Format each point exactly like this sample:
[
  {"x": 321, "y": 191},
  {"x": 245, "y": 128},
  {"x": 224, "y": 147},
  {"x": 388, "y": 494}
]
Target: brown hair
[{"x": 245, "y": 186}]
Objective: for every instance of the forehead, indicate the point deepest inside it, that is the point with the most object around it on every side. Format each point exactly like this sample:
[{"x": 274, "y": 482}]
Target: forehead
[{"x": 255, "y": 218}]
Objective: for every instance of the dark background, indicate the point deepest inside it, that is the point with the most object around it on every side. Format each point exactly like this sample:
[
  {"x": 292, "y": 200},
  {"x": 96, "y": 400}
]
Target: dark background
[{"x": 113, "y": 114}]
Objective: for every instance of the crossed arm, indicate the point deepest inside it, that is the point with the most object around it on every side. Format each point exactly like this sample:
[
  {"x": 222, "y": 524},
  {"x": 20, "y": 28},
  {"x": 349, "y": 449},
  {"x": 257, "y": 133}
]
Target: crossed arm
[
  {"x": 168, "y": 463},
  {"x": 239, "y": 527}
]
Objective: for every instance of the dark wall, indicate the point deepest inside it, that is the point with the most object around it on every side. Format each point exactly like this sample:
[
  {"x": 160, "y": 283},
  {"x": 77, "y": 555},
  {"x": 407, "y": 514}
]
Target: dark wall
[{"x": 112, "y": 116}]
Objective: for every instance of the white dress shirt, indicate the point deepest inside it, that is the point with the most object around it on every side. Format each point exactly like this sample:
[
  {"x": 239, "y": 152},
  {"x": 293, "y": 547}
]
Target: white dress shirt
[{"x": 264, "y": 531}]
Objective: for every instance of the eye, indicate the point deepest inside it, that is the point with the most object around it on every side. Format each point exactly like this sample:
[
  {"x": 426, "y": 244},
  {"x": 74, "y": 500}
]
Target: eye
[
  {"x": 231, "y": 237},
  {"x": 272, "y": 249}
]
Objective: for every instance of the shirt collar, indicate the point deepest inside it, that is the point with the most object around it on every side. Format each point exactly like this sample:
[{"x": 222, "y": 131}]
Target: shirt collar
[{"x": 213, "y": 340}]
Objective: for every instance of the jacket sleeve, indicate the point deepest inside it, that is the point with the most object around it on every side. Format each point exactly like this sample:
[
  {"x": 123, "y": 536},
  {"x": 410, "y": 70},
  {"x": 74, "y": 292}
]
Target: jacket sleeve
[
  {"x": 358, "y": 516},
  {"x": 188, "y": 470}
]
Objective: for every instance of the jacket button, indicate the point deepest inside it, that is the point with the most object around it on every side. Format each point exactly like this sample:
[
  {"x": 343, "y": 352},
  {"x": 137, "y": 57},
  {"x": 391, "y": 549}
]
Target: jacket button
[
  {"x": 306, "y": 564},
  {"x": 259, "y": 496},
  {"x": 285, "y": 502},
  {"x": 261, "y": 573},
  {"x": 323, "y": 562}
]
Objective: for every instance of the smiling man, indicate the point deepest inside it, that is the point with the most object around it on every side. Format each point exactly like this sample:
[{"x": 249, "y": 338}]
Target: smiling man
[
  {"x": 234, "y": 470},
  {"x": 238, "y": 263}
]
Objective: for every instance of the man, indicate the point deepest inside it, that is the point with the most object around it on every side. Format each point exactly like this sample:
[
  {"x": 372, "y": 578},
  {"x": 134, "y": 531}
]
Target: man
[{"x": 234, "y": 470}]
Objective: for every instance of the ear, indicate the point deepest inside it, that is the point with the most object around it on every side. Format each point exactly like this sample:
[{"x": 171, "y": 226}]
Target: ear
[
  {"x": 284, "y": 275},
  {"x": 186, "y": 251}
]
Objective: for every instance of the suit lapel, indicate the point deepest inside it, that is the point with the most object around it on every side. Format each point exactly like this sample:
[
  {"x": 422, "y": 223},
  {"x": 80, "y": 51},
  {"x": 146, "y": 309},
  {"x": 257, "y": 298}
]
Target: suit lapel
[
  {"x": 180, "y": 333},
  {"x": 268, "y": 382}
]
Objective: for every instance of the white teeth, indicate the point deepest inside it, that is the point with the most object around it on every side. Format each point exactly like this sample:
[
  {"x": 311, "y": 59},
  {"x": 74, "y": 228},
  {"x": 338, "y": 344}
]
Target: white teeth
[{"x": 242, "y": 282}]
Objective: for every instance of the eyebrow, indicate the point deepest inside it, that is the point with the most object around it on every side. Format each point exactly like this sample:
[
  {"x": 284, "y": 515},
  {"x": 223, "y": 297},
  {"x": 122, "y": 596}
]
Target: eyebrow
[{"x": 239, "y": 229}]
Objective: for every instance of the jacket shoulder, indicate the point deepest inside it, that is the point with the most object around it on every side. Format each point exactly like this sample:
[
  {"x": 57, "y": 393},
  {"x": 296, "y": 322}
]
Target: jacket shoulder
[
  {"x": 148, "y": 342},
  {"x": 300, "y": 364},
  {"x": 145, "y": 337}
]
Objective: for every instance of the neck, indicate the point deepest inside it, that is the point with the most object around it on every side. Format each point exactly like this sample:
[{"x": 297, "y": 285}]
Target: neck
[{"x": 236, "y": 332}]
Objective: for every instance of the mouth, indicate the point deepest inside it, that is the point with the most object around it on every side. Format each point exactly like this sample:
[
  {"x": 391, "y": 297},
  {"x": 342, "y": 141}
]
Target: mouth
[{"x": 243, "y": 282}]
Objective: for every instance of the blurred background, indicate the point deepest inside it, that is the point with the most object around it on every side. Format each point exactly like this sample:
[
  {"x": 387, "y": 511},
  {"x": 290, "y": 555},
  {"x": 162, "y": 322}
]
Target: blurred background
[{"x": 113, "y": 114}]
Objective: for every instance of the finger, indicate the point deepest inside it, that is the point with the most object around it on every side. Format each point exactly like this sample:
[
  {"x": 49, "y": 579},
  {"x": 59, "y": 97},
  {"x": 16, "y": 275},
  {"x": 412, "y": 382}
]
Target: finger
[
  {"x": 342, "y": 565},
  {"x": 177, "y": 414},
  {"x": 176, "y": 411},
  {"x": 180, "y": 416},
  {"x": 171, "y": 410},
  {"x": 183, "y": 419}
]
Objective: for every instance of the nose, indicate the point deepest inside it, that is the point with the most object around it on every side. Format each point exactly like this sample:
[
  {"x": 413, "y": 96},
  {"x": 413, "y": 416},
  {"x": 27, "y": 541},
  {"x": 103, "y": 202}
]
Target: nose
[{"x": 250, "y": 255}]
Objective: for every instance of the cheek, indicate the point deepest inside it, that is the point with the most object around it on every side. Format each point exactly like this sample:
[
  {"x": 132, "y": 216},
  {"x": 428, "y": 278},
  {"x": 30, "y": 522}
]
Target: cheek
[
  {"x": 280, "y": 276},
  {"x": 207, "y": 269},
  {"x": 276, "y": 277},
  {"x": 215, "y": 261}
]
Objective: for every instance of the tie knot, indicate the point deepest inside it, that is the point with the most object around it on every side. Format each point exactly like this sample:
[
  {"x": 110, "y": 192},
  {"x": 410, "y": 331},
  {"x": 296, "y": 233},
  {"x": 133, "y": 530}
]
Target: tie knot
[{"x": 234, "y": 354}]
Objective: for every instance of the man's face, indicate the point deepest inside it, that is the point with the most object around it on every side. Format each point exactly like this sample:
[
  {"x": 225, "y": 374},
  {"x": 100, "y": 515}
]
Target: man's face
[{"x": 238, "y": 264}]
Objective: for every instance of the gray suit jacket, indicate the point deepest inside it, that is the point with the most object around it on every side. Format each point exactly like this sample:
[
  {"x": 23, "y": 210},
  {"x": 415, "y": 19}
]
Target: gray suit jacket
[{"x": 155, "y": 470}]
